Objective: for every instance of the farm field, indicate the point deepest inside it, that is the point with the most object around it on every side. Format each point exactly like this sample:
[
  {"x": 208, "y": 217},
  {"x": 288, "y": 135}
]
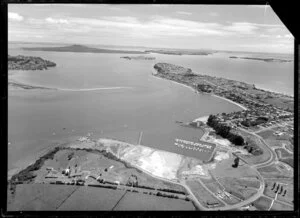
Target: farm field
[
  {"x": 283, "y": 153},
  {"x": 124, "y": 176},
  {"x": 276, "y": 170},
  {"x": 288, "y": 161},
  {"x": 92, "y": 198},
  {"x": 28, "y": 196},
  {"x": 237, "y": 188},
  {"x": 96, "y": 165},
  {"x": 224, "y": 168},
  {"x": 281, "y": 207},
  {"x": 262, "y": 203},
  {"x": 274, "y": 140},
  {"x": 135, "y": 201}
]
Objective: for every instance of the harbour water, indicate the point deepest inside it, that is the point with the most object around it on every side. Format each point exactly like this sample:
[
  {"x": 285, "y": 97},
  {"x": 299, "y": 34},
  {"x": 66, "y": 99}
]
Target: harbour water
[{"x": 39, "y": 119}]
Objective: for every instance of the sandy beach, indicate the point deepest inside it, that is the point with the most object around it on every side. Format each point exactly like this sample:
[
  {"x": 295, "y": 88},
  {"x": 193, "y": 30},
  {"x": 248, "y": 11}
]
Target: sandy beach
[
  {"x": 226, "y": 99},
  {"x": 193, "y": 89}
]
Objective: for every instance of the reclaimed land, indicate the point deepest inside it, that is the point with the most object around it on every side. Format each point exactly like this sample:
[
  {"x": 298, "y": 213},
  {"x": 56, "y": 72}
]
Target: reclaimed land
[
  {"x": 81, "y": 49},
  {"x": 120, "y": 166}
]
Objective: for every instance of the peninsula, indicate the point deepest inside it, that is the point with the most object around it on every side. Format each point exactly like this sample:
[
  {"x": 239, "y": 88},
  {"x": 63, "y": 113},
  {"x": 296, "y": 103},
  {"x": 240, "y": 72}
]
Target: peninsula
[
  {"x": 21, "y": 62},
  {"x": 81, "y": 49},
  {"x": 245, "y": 161},
  {"x": 265, "y": 130},
  {"x": 264, "y": 109}
]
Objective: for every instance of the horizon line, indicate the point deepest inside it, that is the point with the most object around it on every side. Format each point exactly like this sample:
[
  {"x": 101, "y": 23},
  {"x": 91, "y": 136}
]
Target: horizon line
[{"x": 154, "y": 47}]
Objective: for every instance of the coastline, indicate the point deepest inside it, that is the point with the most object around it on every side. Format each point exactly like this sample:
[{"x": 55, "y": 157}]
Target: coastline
[
  {"x": 193, "y": 89},
  {"x": 189, "y": 87},
  {"x": 276, "y": 92},
  {"x": 226, "y": 99}
]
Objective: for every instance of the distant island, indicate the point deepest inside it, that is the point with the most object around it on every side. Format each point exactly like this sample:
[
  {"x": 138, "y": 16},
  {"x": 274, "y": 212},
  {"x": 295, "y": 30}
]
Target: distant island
[
  {"x": 81, "y": 49},
  {"x": 138, "y": 58},
  {"x": 21, "y": 62},
  {"x": 262, "y": 59},
  {"x": 179, "y": 52}
]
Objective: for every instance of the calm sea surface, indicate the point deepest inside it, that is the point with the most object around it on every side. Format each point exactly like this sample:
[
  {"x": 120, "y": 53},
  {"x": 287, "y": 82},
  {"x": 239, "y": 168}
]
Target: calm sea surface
[{"x": 38, "y": 119}]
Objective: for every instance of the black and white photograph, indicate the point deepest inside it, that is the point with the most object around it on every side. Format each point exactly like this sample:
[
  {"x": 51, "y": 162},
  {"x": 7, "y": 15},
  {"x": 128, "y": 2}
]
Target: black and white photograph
[{"x": 149, "y": 107}]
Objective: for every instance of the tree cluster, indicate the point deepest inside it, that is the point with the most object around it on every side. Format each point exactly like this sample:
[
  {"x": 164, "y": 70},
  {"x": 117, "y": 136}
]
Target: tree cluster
[
  {"x": 224, "y": 131},
  {"x": 204, "y": 88},
  {"x": 258, "y": 121},
  {"x": 252, "y": 148}
]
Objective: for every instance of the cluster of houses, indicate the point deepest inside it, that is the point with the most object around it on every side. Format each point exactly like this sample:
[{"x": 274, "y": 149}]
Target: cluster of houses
[
  {"x": 234, "y": 91},
  {"x": 255, "y": 110}
]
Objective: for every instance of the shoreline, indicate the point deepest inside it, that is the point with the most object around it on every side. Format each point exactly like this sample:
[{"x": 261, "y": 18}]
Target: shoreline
[
  {"x": 226, "y": 99},
  {"x": 192, "y": 88},
  {"x": 189, "y": 87},
  {"x": 276, "y": 92}
]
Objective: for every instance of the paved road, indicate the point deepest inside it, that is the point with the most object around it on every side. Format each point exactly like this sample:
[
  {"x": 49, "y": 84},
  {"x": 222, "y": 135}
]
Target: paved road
[
  {"x": 273, "y": 126},
  {"x": 259, "y": 193},
  {"x": 273, "y": 156},
  {"x": 177, "y": 183}
]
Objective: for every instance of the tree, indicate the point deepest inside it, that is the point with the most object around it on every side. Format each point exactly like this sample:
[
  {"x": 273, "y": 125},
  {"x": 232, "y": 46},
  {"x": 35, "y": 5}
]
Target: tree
[{"x": 236, "y": 162}]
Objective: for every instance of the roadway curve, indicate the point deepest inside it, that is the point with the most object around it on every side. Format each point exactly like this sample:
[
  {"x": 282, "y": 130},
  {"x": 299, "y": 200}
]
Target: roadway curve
[
  {"x": 273, "y": 156},
  {"x": 260, "y": 191},
  {"x": 198, "y": 204}
]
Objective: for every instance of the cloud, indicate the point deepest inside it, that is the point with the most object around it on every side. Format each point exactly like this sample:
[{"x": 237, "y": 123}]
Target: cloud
[
  {"x": 152, "y": 27},
  {"x": 184, "y": 13},
  {"x": 159, "y": 5},
  {"x": 264, "y": 36},
  {"x": 213, "y": 14},
  {"x": 242, "y": 27},
  {"x": 117, "y": 9},
  {"x": 15, "y": 16},
  {"x": 56, "y": 21},
  {"x": 289, "y": 36}
]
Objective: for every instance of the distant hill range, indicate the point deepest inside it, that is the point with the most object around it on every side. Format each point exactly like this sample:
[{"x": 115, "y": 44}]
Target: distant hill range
[
  {"x": 179, "y": 52},
  {"x": 138, "y": 58},
  {"x": 82, "y": 49},
  {"x": 86, "y": 49}
]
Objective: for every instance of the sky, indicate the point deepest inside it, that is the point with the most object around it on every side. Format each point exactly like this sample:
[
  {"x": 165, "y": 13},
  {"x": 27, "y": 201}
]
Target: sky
[{"x": 253, "y": 28}]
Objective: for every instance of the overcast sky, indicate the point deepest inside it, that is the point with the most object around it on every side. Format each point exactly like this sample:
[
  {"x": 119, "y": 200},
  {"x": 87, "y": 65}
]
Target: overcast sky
[{"x": 239, "y": 28}]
